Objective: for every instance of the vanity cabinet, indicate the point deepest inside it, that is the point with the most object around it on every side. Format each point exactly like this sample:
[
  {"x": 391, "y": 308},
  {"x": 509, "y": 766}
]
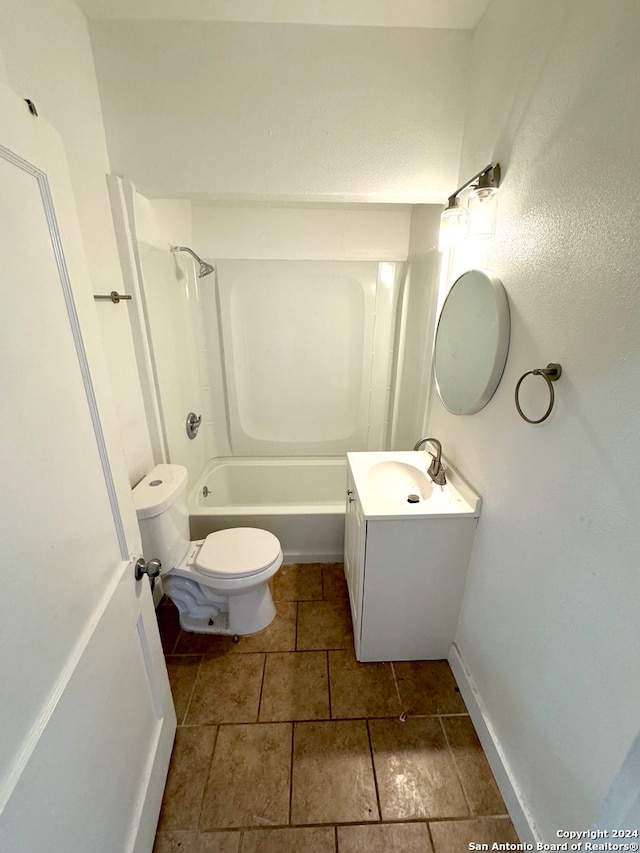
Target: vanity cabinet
[{"x": 406, "y": 578}]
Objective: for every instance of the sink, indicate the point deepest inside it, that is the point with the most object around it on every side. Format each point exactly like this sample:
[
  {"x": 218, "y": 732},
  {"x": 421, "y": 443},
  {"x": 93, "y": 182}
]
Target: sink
[
  {"x": 400, "y": 481},
  {"x": 383, "y": 480}
]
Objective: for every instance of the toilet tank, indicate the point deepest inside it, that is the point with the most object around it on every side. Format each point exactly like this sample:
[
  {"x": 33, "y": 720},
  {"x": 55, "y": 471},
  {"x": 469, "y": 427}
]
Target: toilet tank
[{"x": 161, "y": 505}]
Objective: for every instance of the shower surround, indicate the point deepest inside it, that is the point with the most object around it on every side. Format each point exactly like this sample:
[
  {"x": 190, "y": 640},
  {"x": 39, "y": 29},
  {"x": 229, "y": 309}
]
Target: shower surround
[
  {"x": 303, "y": 354},
  {"x": 291, "y": 365}
]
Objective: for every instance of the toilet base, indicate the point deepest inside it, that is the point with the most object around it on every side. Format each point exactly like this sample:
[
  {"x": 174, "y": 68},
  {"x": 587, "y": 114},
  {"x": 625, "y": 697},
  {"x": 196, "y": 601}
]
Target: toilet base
[
  {"x": 203, "y": 611},
  {"x": 204, "y": 625},
  {"x": 252, "y": 611}
]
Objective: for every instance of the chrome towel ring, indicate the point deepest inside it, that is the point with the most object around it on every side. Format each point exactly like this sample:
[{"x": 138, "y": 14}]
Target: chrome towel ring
[{"x": 551, "y": 373}]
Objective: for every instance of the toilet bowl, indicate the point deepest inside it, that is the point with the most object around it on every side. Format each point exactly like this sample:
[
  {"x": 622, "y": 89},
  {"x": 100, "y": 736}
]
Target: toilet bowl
[{"x": 220, "y": 584}]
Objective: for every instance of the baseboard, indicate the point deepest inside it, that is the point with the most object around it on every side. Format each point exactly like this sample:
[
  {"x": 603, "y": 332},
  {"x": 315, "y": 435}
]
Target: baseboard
[
  {"x": 313, "y": 557},
  {"x": 518, "y": 812}
]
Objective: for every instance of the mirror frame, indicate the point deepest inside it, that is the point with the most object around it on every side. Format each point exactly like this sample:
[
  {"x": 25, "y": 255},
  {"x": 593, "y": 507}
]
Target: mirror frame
[{"x": 503, "y": 318}]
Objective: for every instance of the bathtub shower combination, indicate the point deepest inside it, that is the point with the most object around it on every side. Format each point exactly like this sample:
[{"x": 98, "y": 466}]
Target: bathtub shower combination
[
  {"x": 300, "y": 500},
  {"x": 290, "y": 364}
]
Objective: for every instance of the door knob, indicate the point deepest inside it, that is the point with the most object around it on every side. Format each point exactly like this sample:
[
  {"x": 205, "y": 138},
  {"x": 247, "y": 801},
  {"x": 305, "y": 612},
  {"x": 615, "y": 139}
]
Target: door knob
[{"x": 142, "y": 568}]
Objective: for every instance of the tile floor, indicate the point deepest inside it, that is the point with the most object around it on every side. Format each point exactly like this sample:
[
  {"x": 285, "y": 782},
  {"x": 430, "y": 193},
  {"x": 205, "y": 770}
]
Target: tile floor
[{"x": 285, "y": 743}]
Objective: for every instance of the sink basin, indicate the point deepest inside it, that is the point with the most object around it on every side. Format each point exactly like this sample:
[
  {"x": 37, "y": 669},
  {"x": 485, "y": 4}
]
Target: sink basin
[
  {"x": 400, "y": 481},
  {"x": 384, "y": 479}
]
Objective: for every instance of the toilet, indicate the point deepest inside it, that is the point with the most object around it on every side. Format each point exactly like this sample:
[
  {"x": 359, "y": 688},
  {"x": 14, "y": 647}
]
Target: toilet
[{"x": 220, "y": 584}]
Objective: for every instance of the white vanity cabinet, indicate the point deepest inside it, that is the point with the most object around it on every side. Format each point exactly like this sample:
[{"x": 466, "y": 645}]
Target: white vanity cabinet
[{"x": 406, "y": 571}]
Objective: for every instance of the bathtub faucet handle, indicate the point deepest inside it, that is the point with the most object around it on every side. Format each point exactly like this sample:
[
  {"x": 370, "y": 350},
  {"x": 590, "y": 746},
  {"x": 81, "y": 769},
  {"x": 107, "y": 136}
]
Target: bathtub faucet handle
[{"x": 193, "y": 424}]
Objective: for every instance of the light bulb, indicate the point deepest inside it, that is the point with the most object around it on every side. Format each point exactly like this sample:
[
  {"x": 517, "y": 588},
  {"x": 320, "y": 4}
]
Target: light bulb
[
  {"x": 483, "y": 208},
  {"x": 453, "y": 221}
]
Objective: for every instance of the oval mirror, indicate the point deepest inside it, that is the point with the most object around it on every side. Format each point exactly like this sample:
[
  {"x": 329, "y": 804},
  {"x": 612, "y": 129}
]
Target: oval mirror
[{"x": 472, "y": 341}]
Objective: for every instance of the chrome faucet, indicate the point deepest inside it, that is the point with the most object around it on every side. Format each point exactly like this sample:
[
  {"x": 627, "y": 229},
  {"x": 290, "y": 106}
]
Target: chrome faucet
[{"x": 436, "y": 469}]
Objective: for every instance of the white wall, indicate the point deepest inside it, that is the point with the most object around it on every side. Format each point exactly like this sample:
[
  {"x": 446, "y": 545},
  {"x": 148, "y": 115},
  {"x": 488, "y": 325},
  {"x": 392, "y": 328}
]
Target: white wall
[
  {"x": 163, "y": 222},
  {"x": 454, "y": 14},
  {"x": 283, "y": 112},
  {"x": 365, "y": 232},
  {"x": 4, "y": 77},
  {"x": 549, "y": 630},
  {"x": 47, "y": 56}
]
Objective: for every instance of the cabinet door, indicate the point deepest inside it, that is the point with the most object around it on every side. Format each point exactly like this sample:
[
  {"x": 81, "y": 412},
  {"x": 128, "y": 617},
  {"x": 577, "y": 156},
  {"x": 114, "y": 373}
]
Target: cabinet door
[{"x": 354, "y": 554}]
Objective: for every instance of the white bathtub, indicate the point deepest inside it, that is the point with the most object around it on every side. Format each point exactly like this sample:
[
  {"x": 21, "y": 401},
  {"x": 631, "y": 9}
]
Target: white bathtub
[{"x": 301, "y": 500}]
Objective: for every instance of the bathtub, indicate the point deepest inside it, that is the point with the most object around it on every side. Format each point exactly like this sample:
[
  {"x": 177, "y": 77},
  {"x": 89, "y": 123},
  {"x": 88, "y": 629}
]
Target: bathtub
[{"x": 301, "y": 500}]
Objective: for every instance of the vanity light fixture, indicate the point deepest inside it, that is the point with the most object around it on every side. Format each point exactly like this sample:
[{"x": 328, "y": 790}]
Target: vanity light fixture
[
  {"x": 482, "y": 208},
  {"x": 453, "y": 225}
]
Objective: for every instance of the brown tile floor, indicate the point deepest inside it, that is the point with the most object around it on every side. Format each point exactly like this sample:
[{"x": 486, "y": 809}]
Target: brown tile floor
[{"x": 286, "y": 744}]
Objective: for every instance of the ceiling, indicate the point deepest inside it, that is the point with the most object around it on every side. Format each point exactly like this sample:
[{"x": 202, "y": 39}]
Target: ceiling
[{"x": 432, "y": 14}]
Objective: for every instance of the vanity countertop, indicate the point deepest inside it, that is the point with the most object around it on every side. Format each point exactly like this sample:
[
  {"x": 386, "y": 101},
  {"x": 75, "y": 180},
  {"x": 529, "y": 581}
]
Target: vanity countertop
[{"x": 384, "y": 481}]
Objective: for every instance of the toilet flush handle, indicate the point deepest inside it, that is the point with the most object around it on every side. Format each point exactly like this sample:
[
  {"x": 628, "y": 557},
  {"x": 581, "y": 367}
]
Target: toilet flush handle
[{"x": 142, "y": 568}]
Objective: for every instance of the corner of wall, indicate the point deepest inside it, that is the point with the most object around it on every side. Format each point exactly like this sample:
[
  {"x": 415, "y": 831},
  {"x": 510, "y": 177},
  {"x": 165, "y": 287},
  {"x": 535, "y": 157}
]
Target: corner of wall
[
  {"x": 163, "y": 222},
  {"x": 496, "y": 755},
  {"x": 423, "y": 234}
]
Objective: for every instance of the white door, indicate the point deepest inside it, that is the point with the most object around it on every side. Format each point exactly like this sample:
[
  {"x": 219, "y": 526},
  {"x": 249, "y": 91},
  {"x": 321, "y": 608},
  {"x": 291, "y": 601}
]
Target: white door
[{"x": 86, "y": 719}]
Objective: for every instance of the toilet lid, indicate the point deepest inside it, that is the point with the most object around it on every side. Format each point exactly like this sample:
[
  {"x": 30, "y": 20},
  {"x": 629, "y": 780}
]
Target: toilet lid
[{"x": 237, "y": 552}]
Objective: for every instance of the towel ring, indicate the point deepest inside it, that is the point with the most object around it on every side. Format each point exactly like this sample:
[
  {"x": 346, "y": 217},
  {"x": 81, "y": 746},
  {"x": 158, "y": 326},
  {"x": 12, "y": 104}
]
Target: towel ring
[{"x": 551, "y": 373}]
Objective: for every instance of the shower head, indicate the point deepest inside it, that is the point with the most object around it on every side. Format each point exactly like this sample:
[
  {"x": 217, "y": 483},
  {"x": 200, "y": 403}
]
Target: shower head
[{"x": 205, "y": 268}]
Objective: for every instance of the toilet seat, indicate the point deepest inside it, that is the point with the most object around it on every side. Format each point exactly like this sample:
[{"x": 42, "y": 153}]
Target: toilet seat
[{"x": 238, "y": 552}]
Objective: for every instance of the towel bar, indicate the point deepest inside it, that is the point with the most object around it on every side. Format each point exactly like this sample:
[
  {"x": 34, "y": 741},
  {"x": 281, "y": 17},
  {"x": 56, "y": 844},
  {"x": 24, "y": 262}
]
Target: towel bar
[{"x": 114, "y": 297}]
